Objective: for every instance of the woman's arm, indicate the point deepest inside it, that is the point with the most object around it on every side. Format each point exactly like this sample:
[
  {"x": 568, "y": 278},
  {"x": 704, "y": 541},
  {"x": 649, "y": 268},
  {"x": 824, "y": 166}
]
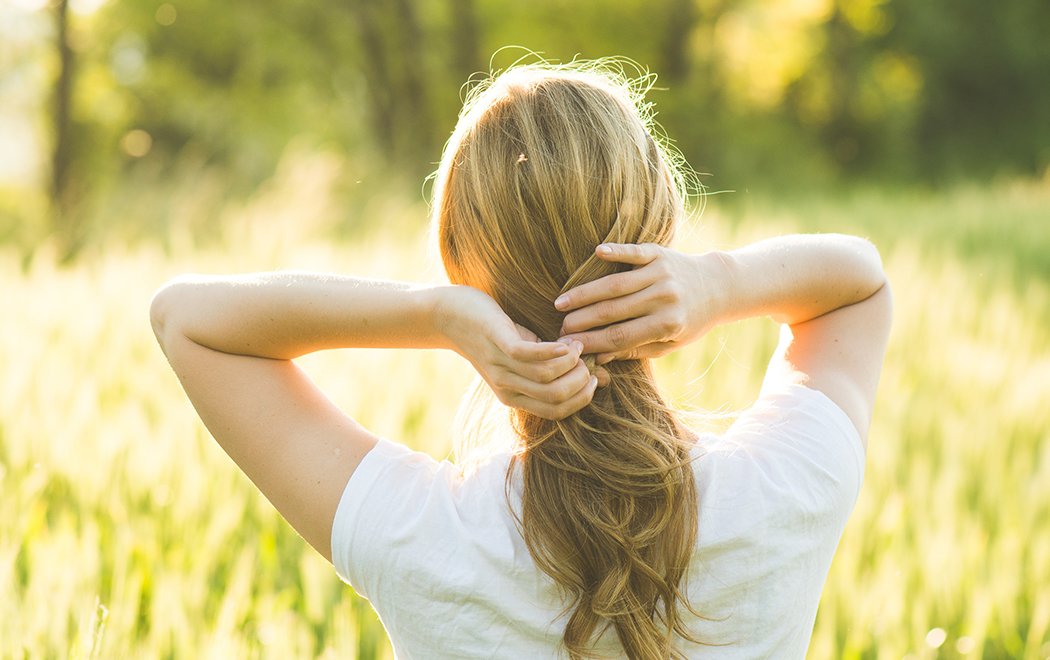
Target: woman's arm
[
  {"x": 829, "y": 290},
  {"x": 230, "y": 340},
  {"x": 285, "y": 315}
]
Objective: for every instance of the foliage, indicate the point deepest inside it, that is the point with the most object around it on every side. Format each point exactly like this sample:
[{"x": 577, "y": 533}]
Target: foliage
[{"x": 761, "y": 94}]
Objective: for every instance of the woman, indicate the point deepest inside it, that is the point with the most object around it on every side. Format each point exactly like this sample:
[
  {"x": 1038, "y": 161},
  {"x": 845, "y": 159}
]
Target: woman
[{"x": 590, "y": 520}]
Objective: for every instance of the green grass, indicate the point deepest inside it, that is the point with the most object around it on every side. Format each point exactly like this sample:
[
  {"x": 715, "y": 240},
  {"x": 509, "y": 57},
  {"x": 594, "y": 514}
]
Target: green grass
[{"x": 125, "y": 532}]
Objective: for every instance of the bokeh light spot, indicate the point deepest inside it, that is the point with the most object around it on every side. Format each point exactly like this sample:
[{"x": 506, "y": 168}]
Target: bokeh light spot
[
  {"x": 136, "y": 143},
  {"x": 965, "y": 644},
  {"x": 166, "y": 14},
  {"x": 936, "y": 637},
  {"x": 128, "y": 59}
]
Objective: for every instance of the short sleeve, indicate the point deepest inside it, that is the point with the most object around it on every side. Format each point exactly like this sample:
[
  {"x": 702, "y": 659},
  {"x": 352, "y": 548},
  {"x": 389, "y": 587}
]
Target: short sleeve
[
  {"x": 776, "y": 492},
  {"x": 434, "y": 549},
  {"x": 389, "y": 489},
  {"x": 804, "y": 441}
]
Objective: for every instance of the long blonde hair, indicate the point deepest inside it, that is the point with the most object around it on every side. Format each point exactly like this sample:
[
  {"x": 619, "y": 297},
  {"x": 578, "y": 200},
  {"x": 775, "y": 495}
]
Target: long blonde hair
[{"x": 545, "y": 164}]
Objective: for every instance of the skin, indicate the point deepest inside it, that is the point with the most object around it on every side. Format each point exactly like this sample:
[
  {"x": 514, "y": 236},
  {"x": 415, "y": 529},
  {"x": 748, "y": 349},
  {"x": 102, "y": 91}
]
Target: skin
[
  {"x": 231, "y": 341},
  {"x": 829, "y": 292}
]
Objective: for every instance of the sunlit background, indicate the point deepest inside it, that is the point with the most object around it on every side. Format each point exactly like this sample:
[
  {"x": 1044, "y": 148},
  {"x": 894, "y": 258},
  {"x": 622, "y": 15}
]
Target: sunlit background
[{"x": 141, "y": 139}]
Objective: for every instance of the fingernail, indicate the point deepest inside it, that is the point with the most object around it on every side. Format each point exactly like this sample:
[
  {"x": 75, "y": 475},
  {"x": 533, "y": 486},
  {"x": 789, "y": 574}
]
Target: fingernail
[
  {"x": 565, "y": 340},
  {"x": 561, "y": 302},
  {"x": 603, "y": 359},
  {"x": 604, "y": 249},
  {"x": 578, "y": 346},
  {"x": 594, "y": 382}
]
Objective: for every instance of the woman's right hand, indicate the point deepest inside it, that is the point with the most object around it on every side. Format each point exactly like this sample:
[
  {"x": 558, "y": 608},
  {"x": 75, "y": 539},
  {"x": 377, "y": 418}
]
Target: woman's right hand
[
  {"x": 665, "y": 302},
  {"x": 547, "y": 379}
]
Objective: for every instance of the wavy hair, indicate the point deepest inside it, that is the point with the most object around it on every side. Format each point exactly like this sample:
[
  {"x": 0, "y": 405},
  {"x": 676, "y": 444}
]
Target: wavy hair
[{"x": 545, "y": 164}]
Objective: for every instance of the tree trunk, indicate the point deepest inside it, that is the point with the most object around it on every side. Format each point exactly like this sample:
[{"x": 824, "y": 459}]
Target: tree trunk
[
  {"x": 61, "y": 157},
  {"x": 682, "y": 18},
  {"x": 415, "y": 111},
  {"x": 466, "y": 52},
  {"x": 376, "y": 71},
  {"x": 393, "y": 67},
  {"x": 841, "y": 133}
]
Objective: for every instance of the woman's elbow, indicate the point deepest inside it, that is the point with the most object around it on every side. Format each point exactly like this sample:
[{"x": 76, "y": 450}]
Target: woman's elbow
[
  {"x": 873, "y": 259},
  {"x": 868, "y": 262},
  {"x": 163, "y": 308}
]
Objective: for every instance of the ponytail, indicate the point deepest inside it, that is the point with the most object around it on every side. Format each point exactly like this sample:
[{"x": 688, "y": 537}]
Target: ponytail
[{"x": 609, "y": 512}]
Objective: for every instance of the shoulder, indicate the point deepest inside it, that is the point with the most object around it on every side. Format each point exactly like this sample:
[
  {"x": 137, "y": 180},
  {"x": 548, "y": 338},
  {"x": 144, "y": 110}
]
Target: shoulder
[
  {"x": 415, "y": 535},
  {"x": 775, "y": 493},
  {"x": 400, "y": 498},
  {"x": 794, "y": 446}
]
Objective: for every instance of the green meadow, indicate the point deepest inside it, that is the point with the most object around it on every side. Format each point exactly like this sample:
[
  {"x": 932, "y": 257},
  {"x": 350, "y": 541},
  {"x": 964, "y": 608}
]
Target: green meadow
[{"x": 125, "y": 532}]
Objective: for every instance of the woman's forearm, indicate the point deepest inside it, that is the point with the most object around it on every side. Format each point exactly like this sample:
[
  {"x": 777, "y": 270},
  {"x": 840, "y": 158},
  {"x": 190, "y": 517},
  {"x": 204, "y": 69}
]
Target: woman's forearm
[
  {"x": 287, "y": 314},
  {"x": 793, "y": 279},
  {"x": 670, "y": 299}
]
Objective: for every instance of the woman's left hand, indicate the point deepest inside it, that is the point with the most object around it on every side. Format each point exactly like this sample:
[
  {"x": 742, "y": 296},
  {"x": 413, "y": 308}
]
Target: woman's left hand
[
  {"x": 666, "y": 301},
  {"x": 547, "y": 379}
]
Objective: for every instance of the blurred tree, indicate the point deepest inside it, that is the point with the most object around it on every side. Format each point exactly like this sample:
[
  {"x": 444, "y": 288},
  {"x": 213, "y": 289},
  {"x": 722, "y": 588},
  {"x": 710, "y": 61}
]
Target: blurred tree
[
  {"x": 801, "y": 91},
  {"x": 931, "y": 90},
  {"x": 842, "y": 61},
  {"x": 680, "y": 21},
  {"x": 986, "y": 83},
  {"x": 392, "y": 65},
  {"x": 62, "y": 202},
  {"x": 465, "y": 38}
]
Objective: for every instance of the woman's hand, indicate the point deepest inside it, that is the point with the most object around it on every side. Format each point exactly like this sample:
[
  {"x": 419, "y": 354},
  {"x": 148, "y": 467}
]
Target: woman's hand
[
  {"x": 663, "y": 303},
  {"x": 547, "y": 379}
]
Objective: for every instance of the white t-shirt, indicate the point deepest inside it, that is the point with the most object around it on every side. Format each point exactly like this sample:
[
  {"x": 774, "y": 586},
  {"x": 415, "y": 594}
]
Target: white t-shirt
[{"x": 441, "y": 560}]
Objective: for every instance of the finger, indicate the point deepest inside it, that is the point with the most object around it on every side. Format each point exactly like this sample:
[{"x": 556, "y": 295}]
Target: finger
[
  {"x": 603, "y": 376},
  {"x": 606, "y": 312},
  {"x": 525, "y": 333},
  {"x": 621, "y": 337},
  {"x": 519, "y": 343},
  {"x": 561, "y": 410},
  {"x": 636, "y": 254},
  {"x": 522, "y": 350},
  {"x": 547, "y": 371},
  {"x": 557, "y": 391},
  {"x": 548, "y": 367},
  {"x": 604, "y": 288}
]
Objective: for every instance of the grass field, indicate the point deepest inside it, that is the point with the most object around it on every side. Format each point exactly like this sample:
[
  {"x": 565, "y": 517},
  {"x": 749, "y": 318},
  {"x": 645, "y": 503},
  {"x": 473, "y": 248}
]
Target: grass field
[{"x": 125, "y": 532}]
